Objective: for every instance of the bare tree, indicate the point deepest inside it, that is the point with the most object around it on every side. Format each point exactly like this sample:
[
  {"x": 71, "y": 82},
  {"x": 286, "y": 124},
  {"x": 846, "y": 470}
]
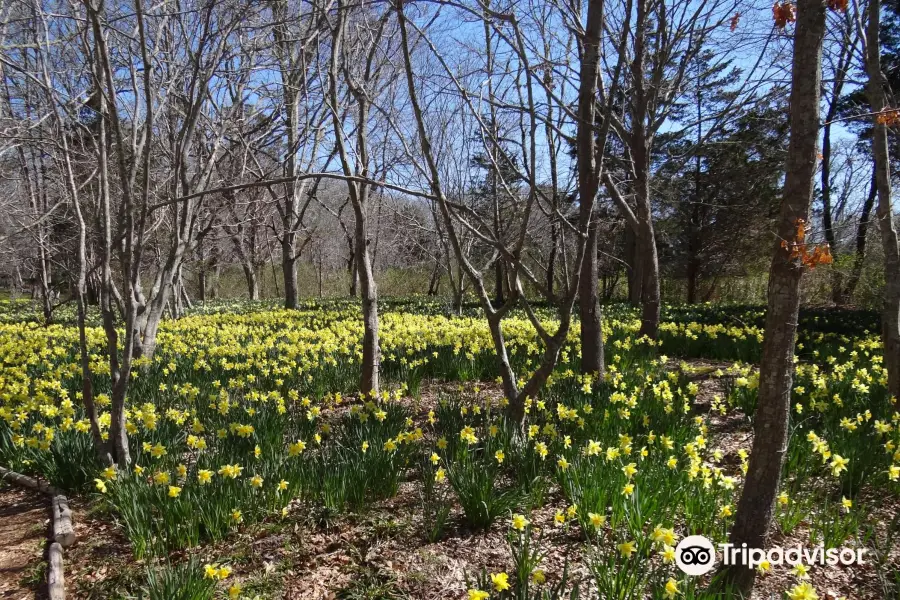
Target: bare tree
[
  {"x": 877, "y": 91},
  {"x": 297, "y": 36},
  {"x": 456, "y": 216},
  {"x": 362, "y": 67},
  {"x": 756, "y": 506},
  {"x": 668, "y": 38}
]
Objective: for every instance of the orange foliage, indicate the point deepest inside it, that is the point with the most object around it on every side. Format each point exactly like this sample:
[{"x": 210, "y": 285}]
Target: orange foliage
[
  {"x": 799, "y": 249},
  {"x": 838, "y": 5},
  {"x": 783, "y": 13},
  {"x": 889, "y": 117}
]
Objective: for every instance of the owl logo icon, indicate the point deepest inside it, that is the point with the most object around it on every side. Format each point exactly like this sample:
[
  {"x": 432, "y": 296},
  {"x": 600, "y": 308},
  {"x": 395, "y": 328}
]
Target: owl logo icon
[{"x": 695, "y": 555}]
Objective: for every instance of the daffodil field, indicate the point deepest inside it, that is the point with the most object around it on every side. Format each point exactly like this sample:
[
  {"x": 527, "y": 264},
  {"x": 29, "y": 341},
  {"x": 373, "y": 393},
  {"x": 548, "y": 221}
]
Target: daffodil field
[{"x": 247, "y": 420}]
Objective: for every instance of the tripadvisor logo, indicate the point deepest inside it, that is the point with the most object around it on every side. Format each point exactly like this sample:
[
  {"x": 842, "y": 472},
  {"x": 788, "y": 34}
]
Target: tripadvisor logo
[{"x": 696, "y": 555}]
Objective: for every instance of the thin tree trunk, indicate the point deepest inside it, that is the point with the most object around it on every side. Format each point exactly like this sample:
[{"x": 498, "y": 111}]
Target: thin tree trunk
[
  {"x": 756, "y": 506},
  {"x": 876, "y": 90},
  {"x": 87, "y": 384},
  {"x": 640, "y": 152},
  {"x": 633, "y": 266},
  {"x": 201, "y": 282},
  {"x": 252, "y": 280},
  {"x": 289, "y": 270},
  {"x": 371, "y": 363},
  {"x": 648, "y": 259},
  {"x": 435, "y": 279},
  {"x": 588, "y": 185},
  {"x": 862, "y": 234},
  {"x": 202, "y": 268},
  {"x": 847, "y": 51},
  {"x": 359, "y": 195},
  {"x": 352, "y": 268},
  {"x": 592, "y": 360},
  {"x": 551, "y": 260},
  {"x": 217, "y": 271},
  {"x": 827, "y": 218}
]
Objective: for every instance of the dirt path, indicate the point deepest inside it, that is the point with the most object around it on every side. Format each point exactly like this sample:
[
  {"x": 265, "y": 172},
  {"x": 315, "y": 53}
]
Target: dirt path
[{"x": 23, "y": 533}]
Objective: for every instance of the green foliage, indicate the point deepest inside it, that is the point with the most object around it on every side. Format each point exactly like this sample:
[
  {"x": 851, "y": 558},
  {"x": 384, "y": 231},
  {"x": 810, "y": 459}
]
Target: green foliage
[
  {"x": 183, "y": 581},
  {"x": 475, "y": 477}
]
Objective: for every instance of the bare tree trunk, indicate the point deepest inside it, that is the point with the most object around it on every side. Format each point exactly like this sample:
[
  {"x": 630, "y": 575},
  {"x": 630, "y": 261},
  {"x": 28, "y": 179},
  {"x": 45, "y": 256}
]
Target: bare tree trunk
[
  {"x": 635, "y": 272},
  {"x": 359, "y": 194},
  {"x": 640, "y": 152},
  {"x": 291, "y": 96},
  {"x": 515, "y": 268},
  {"x": 493, "y": 169},
  {"x": 551, "y": 260},
  {"x": 756, "y": 506},
  {"x": 592, "y": 360},
  {"x": 119, "y": 372},
  {"x": 252, "y": 280},
  {"x": 352, "y": 268},
  {"x": 217, "y": 271},
  {"x": 877, "y": 93},
  {"x": 289, "y": 270},
  {"x": 320, "y": 272},
  {"x": 847, "y": 50},
  {"x": 692, "y": 280},
  {"x": 862, "y": 234},
  {"x": 588, "y": 185},
  {"x": 648, "y": 259},
  {"x": 202, "y": 268},
  {"x": 494, "y": 317},
  {"x": 827, "y": 219},
  {"x": 201, "y": 282},
  {"x": 185, "y": 296},
  {"x": 371, "y": 362},
  {"x": 694, "y": 240},
  {"x": 435, "y": 278},
  {"x": 87, "y": 384}
]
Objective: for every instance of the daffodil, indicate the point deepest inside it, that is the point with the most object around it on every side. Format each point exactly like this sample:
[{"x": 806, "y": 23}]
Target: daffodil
[
  {"x": 500, "y": 581},
  {"x": 626, "y": 549},
  {"x": 800, "y": 570},
  {"x": 671, "y": 588},
  {"x": 803, "y": 591},
  {"x": 846, "y": 503},
  {"x": 838, "y": 464},
  {"x": 519, "y": 522}
]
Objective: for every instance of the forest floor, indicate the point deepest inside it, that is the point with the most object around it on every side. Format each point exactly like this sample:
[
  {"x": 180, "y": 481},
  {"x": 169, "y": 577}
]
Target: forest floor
[
  {"x": 382, "y": 554},
  {"x": 23, "y": 535}
]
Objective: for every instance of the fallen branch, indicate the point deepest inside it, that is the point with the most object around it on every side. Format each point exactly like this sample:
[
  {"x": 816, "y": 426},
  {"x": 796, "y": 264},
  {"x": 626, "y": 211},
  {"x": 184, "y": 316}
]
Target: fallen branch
[
  {"x": 26, "y": 481},
  {"x": 62, "y": 533},
  {"x": 55, "y": 575}
]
